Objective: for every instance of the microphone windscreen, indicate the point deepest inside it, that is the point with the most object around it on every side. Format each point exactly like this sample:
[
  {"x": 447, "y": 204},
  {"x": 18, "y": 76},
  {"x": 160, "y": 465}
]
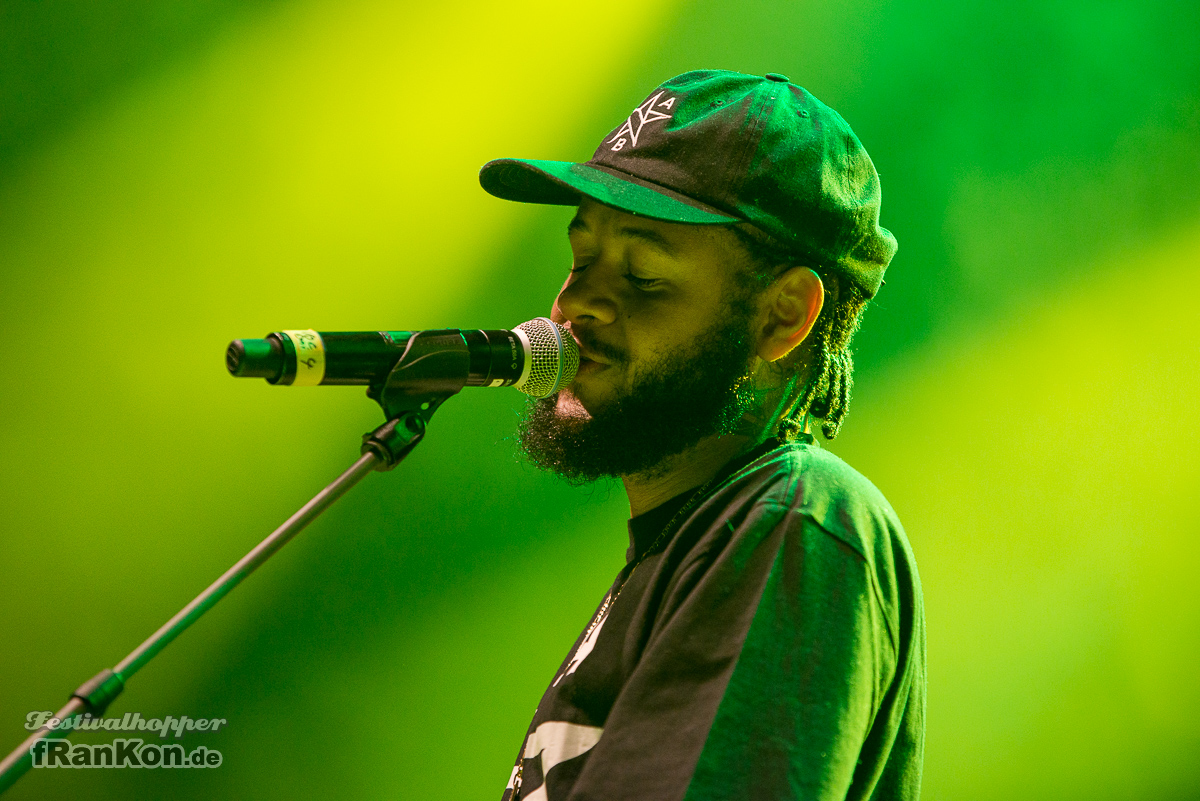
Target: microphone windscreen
[{"x": 553, "y": 357}]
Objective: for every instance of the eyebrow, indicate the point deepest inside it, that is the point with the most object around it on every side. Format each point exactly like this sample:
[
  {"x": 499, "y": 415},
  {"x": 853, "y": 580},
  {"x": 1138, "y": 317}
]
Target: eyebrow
[
  {"x": 647, "y": 235},
  {"x": 576, "y": 224}
]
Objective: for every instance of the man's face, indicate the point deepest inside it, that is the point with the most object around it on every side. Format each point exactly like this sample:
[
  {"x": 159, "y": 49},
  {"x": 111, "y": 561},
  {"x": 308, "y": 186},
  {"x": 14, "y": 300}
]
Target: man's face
[{"x": 666, "y": 343}]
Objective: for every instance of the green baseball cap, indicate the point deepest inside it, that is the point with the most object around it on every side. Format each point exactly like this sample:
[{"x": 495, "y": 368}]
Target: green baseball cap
[{"x": 714, "y": 147}]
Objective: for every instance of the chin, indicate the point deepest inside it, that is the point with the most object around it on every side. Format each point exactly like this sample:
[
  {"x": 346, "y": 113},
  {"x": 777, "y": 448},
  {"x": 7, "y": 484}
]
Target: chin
[{"x": 577, "y": 405}]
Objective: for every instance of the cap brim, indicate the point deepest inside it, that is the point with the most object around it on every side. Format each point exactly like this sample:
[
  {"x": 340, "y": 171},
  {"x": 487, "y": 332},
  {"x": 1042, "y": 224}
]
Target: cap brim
[{"x": 562, "y": 182}]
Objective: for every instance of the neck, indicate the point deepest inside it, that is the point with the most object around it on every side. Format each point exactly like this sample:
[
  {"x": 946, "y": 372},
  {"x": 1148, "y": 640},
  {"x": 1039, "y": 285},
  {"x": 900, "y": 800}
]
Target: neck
[
  {"x": 701, "y": 462},
  {"x": 685, "y": 470}
]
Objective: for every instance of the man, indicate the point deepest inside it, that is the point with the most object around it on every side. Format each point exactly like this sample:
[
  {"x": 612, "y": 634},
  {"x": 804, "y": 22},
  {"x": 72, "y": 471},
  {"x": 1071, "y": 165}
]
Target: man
[{"x": 765, "y": 639}]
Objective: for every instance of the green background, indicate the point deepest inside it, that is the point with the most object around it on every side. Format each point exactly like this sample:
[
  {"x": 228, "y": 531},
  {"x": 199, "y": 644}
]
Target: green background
[{"x": 175, "y": 175}]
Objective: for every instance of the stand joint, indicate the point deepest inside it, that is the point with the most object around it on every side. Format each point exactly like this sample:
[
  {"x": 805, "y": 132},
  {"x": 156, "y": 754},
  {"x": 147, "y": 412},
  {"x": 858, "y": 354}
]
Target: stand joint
[
  {"x": 393, "y": 440},
  {"x": 99, "y": 691}
]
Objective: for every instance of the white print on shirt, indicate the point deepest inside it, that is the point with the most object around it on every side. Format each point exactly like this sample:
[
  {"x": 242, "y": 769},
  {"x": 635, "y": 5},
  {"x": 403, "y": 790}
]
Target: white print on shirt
[
  {"x": 585, "y": 648},
  {"x": 557, "y": 742},
  {"x": 647, "y": 112}
]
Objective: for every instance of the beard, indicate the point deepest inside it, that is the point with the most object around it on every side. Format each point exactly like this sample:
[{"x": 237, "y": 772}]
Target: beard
[{"x": 683, "y": 396}]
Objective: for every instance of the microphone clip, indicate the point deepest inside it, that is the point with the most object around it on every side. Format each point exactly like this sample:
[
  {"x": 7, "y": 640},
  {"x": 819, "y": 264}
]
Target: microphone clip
[
  {"x": 413, "y": 391},
  {"x": 435, "y": 365}
]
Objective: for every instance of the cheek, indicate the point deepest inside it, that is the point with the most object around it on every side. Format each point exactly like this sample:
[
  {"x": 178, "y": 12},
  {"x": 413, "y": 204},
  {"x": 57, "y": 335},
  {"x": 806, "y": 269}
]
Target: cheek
[{"x": 659, "y": 333}]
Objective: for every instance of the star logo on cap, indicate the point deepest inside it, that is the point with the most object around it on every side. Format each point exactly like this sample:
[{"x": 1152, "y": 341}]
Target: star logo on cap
[{"x": 650, "y": 111}]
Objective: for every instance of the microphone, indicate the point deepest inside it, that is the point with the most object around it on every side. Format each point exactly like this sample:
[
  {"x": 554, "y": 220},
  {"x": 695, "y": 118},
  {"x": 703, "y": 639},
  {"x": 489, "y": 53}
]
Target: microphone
[{"x": 538, "y": 357}]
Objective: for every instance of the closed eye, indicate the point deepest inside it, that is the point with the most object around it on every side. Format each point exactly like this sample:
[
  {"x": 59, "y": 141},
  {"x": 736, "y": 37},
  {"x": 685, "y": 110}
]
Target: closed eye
[{"x": 641, "y": 283}]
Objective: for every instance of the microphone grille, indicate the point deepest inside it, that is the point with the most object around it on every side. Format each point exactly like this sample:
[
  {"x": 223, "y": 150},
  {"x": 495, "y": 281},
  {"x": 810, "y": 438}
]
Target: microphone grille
[{"x": 553, "y": 357}]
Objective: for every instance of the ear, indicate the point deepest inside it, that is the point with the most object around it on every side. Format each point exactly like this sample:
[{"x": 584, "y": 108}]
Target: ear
[{"x": 791, "y": 307}]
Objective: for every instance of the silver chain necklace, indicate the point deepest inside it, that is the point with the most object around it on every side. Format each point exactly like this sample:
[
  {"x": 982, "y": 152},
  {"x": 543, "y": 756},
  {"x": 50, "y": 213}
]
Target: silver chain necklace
[{"x": 611, "y": 598}]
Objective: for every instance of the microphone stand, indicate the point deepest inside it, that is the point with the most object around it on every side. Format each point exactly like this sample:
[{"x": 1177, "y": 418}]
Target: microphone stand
[{"x": 412, "y": 392}]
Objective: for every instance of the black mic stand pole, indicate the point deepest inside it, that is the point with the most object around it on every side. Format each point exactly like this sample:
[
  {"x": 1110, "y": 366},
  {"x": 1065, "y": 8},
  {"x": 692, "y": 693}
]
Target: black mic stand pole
[{"x": 414, "y": 389}]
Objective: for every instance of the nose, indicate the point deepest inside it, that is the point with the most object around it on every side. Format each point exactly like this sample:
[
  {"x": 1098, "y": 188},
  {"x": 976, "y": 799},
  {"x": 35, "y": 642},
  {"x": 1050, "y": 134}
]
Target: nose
[{"x": 586, "y": 298}]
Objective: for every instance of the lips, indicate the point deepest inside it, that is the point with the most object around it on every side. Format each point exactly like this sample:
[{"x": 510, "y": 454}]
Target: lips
[
  {"x": 587, "y": 366},
  {"x": 586, "y": 355},
  {"x": 592, "y": 358},
  {"x": 589, "y": 362},
  {"x": 585, "y": 359}
]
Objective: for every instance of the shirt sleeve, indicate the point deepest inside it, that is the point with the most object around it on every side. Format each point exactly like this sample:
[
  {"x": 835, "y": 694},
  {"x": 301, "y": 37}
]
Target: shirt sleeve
[{"x": 760, "y": 678}]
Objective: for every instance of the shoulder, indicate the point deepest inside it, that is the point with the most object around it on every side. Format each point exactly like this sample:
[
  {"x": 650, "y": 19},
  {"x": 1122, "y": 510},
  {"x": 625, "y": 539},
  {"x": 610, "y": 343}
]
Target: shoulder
[
  {"x": 800, "y": 488},
  {"x": 813, "y": 483}
]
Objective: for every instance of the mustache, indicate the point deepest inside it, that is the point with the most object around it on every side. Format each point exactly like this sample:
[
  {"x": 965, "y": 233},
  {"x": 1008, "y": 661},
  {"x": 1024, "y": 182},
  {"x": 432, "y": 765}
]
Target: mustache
[{"x": 611, "y": 352}]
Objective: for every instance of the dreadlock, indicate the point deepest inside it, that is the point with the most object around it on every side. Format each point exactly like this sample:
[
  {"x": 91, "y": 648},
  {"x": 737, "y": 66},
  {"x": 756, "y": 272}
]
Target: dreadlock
[{"x": 830, "y": 366}]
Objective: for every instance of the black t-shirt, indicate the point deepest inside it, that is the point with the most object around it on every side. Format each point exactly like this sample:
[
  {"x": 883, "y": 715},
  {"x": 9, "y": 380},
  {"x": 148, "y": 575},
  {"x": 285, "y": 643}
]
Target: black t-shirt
[{"x": 772, "y": 647}]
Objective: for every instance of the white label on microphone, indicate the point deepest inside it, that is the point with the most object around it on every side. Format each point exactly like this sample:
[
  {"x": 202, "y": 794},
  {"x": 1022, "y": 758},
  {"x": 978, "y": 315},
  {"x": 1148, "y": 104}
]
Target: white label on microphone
[
  {"x": 497, "y": 382},
  {"x": 310, "y": 357}
]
